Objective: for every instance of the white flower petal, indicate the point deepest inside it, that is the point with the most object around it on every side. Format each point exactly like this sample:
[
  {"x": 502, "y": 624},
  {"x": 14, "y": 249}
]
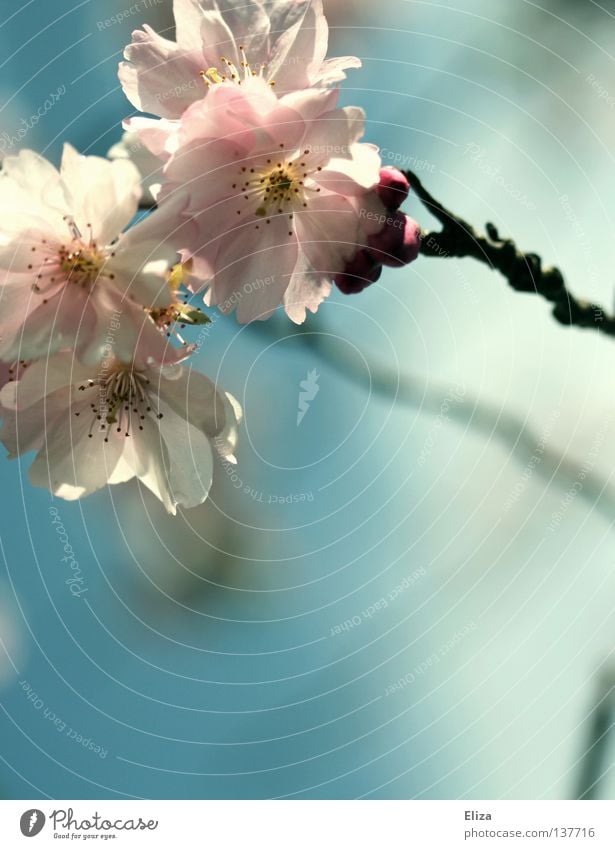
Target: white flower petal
[
  {"x": 71, "y": 464},
  {"x": 193, "y": 397},
  {"x": 104, "y": 194}
]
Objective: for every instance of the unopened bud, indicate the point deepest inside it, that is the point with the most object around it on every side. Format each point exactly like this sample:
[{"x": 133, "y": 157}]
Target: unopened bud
[
  {"x": 360, "y": 272},
  {"x": 398, "y": 243},
  {"x": 394, "y": 187}
]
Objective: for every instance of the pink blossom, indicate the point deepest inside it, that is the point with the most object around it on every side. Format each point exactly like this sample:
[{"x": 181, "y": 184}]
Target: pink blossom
[
  {"x": 394, "y": 187},
  {"x": 67, "y": 276},
  {"x": 282, "y": 41},
  {"x": 398, "y": 243},
  {"x": 93, "y": 426},
  {"x": 281, "y": 192},
  {"x": 149, "y": 166},
  {"x": 362, "y": 270}
]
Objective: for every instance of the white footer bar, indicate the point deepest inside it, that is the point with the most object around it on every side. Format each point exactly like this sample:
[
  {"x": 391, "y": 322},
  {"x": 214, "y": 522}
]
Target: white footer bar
[{"x": 308, "y": 824}]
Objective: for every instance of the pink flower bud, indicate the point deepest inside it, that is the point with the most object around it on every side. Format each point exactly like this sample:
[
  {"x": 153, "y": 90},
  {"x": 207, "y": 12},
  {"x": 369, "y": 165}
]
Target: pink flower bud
[
  {"x": 398, "y": 243},
  {"x": 359, "y": 273},
  {"x": 394, "y": 187}
]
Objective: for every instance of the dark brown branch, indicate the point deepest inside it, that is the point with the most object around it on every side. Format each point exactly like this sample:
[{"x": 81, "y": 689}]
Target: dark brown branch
[{"x": 524, "y": 272}]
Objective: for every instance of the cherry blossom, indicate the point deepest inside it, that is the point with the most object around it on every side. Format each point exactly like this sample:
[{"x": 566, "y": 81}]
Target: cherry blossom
[
  {"x": 66, "y": 273},
  {"x": 152, "y": 418},
  {"x": 149, "y": 166},
  {"x": 397, "y": 244},
  {"x": 284, "y": 42},
  {"x": 393, "y": 188},
  {"x": 281, "y": 191}
]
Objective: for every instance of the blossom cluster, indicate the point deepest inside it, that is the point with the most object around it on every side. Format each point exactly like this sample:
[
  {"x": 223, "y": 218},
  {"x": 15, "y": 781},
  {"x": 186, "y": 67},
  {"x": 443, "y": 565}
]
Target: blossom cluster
[{"x": 255, "y": 173}]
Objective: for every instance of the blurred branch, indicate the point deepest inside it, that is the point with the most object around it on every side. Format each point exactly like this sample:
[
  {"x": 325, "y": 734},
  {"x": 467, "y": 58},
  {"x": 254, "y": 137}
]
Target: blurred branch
[
  {"x": 601, "y": 721},
  {"x": 524, "y": 272},
  {"x": 473, "y": 413}
]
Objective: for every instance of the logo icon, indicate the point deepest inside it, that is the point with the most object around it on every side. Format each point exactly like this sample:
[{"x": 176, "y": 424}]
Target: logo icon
[
  {"x": 32, "y": 822},
  {"x": 310, "y": 389}
]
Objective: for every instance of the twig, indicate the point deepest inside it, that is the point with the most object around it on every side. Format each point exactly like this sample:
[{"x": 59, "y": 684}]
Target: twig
[{"x": 524, "y": 272}]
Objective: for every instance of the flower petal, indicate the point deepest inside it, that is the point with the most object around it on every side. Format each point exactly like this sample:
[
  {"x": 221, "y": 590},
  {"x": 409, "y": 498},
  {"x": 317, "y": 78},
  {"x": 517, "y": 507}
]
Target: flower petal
[
  {"x": 159, "y": 76},
  {"x": 175, "y": 461},
  {"x": 193, "y": 397},
  {"x": 307, "y": 291},
  {"x": 24, "y": 430},
  {"x": 43, "y": 378},
  {"x": 254, "y": 268},
  {"x": 300, "y": 47},
  {"x": 104, "y": 194},
  {"x": 226, "y": 441},
  {"x": 328, "y": 233},
  {"x": 71, "y": 464}
]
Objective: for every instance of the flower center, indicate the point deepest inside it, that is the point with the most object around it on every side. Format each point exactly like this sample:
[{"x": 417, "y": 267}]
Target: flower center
[
  {"x": 278, "y": 187},
  {"x": 81, "y": 263},
  {"x": 230, "y": 73},
  {"x": 281, "y": 187},
  {"x": 122, "y": 400}
]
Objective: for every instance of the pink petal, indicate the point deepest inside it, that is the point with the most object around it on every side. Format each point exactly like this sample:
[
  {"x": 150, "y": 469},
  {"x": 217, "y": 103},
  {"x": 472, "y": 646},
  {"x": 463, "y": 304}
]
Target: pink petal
[
  {"x": 57, "y": 323},
  {"x": 159, "y": 76},
  {"x": 333, "y": 71},
  {"x": 42, "y": 378},
  {"x": 328, "y": 232},
  {"x": 24, "y": 430},
  {"x": 301, "y": 46},
  {"x": 354, "y": 176},
  {"x": 254, "y": 268},
  {"x": 249, "y": 23}
]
